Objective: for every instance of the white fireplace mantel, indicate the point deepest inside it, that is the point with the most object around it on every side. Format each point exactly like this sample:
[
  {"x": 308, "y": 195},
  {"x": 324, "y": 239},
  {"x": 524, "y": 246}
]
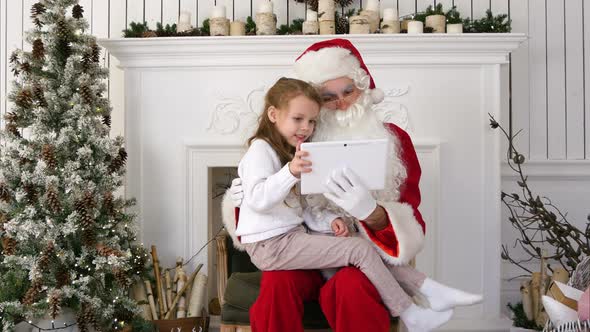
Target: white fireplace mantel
[
  {"x": 191, "y": 102},
  {"x": 236, "y": 51}
]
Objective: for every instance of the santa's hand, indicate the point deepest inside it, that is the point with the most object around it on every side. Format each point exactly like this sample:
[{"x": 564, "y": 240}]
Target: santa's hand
[
  {"x": 236, "y": 192},
  {"x": 346, "y": 190}
]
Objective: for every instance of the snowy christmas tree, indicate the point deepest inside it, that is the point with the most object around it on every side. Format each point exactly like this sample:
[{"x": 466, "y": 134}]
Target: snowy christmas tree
[{"x": 66, "y": 238}]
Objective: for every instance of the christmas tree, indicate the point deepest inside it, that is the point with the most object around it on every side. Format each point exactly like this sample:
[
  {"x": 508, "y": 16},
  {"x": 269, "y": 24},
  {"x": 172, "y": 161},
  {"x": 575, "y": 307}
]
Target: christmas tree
[{"x": 66, "y": 238}]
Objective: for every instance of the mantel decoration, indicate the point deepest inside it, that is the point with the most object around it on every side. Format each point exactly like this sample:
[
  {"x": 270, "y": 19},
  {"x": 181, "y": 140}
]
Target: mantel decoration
[
  {"x": 329, "y": 20},
  {"x": 68, "y": 242},
  {"x": 551, "y": 296}
]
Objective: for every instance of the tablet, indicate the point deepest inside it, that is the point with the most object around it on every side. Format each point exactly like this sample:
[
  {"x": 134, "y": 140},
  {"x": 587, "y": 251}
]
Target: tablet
[{"x": 367, "y": 158}]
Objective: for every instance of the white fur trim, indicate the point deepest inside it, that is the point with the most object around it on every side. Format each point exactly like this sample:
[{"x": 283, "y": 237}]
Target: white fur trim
[
  {"x": 326, "y": 64},
  {"x": 228, "y": 217},
  {"x": 377, "y": 95},
  {"x": 407, "y": 230}
]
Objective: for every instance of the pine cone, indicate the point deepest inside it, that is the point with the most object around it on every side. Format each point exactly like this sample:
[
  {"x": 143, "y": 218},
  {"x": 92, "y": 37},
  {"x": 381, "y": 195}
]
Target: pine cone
[
  {"x": 106, "y": 120},
  {"x": 9, "y": 245},
  {"x": 86, "y": 220},
  {"x": 3, "y": 219},
  {"x": 25, "y": 67},
  {"x": 24, "y": 99},
  {"x": 36, "y": 10},
  {"x": 119, "y": 161},
  {"x": 13, "y": 129},
  {"x": 38, "y": 49},
  {"x": 86, "y": 317},
  {"x": 11, "y": 117},
  {"x": 82, "y": 325},
  {"x": 45, "y": 259},
  {"x": 39, "y": 95},
  {"x": 89, "y": 200},
  {"x": 149, "y": 34},
  {"x": 48, "y": 155},
  {"x": 13, "y": 58},
  {"x": 33, "y": 293},
  {"x": 108, "y": 203},
  {"x": 55, "y": 303},
  {"x": 61, "y": 29},
  {"x": 88, "y": 237},
  {"x": 341, "y": 25},
  {"x": 86, "y": 94},
  {"x": 4, "y": 193},
  {"x": 62, "y": 276},
  {"x": 31, "y": 193},
  {"x": 53, "y": 201},
  {"x": 86, "y": 61},
  {"x": 95, "y": 53},
  {"x": 77, "y": 12},
  {"x": 122, "y": 277},
  {"x": 105, "y": 251}
]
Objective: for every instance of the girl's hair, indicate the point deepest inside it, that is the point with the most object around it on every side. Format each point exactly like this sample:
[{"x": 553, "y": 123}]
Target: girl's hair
[{"x": 279, "y": 96}]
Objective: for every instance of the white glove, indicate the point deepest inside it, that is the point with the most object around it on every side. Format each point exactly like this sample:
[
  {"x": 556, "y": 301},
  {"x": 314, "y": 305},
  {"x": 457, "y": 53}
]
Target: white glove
[
  {"x": 346, "y": 190},
  {"x": 237, "y": 192}
]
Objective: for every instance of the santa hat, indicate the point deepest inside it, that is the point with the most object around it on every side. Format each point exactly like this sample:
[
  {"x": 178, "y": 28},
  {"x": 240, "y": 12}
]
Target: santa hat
[{"x": 330, "y": 59}]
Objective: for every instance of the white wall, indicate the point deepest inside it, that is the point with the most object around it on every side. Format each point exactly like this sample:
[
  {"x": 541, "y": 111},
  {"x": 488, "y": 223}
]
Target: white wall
[{"x": 549, "y": 76}]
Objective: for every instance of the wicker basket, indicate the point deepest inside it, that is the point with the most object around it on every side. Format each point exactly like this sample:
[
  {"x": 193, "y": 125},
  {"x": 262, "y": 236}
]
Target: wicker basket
[{"x": 577, "y": 326}]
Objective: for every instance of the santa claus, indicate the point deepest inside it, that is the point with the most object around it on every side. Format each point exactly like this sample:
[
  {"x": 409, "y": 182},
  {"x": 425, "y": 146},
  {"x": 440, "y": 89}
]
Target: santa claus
[{"x": 389, "y": 218}]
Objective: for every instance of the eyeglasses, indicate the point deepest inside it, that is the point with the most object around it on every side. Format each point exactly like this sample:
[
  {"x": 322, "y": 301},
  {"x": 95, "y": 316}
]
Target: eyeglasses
[{"x": 332, "y": 101}]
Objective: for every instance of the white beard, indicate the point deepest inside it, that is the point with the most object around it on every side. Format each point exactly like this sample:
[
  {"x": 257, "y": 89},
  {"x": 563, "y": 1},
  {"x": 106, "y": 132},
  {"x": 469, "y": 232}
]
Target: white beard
[{"x": 359, "y": 122}]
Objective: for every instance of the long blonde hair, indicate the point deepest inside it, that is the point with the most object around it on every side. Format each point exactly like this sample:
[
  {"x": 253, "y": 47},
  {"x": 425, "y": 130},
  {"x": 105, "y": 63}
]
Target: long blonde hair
[{"x": 279, "y": 96}]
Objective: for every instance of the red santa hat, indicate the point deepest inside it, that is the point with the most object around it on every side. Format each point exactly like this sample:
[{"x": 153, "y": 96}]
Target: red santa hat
[{"x": 334, "y": 58}]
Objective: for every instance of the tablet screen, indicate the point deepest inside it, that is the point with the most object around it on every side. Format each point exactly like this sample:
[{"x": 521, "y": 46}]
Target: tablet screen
[{"x": 367, "y": 158}]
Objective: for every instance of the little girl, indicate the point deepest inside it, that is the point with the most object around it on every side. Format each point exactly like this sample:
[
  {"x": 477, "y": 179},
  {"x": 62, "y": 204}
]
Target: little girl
[{"x": 271, "y": 214}]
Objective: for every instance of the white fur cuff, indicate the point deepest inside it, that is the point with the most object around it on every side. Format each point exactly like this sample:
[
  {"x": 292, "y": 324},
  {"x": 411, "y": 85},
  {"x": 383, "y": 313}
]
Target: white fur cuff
[{"x": 228, "y": 216}]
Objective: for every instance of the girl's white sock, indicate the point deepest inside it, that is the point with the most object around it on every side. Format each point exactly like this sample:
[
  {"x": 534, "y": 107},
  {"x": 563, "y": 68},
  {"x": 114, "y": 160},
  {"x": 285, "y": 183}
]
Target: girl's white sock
[
  {"x": 443, "y": 297},
  {"x": 418, "y": 319}
]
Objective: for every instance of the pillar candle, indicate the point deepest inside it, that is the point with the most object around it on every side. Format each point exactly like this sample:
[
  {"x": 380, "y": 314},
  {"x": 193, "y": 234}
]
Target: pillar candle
[
  {"x": 372, "y": 5},
  {"x": 184, "y": 21},
  {"x": 390, "y": 14},
  {"x": 184, "y": 17},
  {"x": 311, "y": 15},
  {"x": 415, "y": 27},
  {"x": 326, "y": 10},
  {"x": 266, "y": 7},
  {"x": 237, "y": 28},
  {"x": 455, "y": 28},
  {"x": 218, "y": 11}
]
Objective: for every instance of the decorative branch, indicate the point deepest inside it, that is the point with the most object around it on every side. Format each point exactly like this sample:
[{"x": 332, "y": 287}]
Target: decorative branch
[{"x": 539, "y": 222}]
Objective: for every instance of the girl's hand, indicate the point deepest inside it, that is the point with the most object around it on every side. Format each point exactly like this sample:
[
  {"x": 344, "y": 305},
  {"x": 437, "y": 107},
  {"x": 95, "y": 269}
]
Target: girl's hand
[
  {"x": 299, "y": 165},
  {"x": 339, "y": 228}
]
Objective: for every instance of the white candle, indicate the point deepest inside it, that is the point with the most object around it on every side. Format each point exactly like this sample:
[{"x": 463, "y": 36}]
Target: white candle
[
  {"x": 372, "y": 5},
  {"x": 455, "y": 28},
  {"x": 184, "y": 17},
  {"x": 390, "y": 14},
  {"x": 415, "y": 27},
  {"x": 265, "y": 7},
  {"x": 312, "y": 15},
  {"x": 218, "y": 11}
]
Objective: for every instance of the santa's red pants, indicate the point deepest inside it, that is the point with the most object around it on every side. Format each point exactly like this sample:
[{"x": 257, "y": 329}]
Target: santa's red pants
[{"x": 349, "y": 301}]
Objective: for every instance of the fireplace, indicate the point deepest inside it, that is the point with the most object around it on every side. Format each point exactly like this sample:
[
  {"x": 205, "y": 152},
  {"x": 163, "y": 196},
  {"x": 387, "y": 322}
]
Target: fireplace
[{"x": 191, "y": 102}]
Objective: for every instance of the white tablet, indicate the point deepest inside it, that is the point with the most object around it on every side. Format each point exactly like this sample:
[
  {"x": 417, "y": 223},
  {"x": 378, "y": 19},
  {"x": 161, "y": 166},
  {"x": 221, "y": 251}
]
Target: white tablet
[{"x": 367, "y": 158}]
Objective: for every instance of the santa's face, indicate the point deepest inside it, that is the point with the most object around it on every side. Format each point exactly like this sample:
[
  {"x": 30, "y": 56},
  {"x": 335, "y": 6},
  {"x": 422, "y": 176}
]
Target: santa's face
[
  {"x": 347, "y": 113},
  {"x": 338, "y": 94}
]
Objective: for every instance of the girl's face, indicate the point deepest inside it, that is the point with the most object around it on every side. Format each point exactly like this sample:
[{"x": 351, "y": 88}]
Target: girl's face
[{"x": 297, "y": 121}]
